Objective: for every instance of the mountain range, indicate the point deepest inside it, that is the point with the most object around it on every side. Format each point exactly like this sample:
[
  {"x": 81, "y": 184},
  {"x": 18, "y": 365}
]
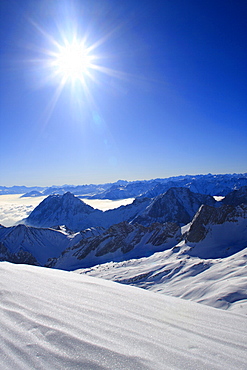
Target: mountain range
[
  {"x": 135, "y": 230},
  {"x": 204, "y": 184},
  {"x": 177, "y": 205}
]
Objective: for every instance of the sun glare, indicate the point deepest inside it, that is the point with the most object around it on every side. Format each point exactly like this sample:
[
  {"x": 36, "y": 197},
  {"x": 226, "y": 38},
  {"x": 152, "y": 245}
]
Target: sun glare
[{"x": 72, "y": 61}]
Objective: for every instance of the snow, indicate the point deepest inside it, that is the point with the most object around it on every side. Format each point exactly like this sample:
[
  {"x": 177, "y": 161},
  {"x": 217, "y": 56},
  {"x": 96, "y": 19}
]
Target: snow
[
  {"x": 106, "y": 204},
  {"x": 218, "y": 198},
  {"x": 221, "y": 283},
  {"x": 41, "y": 243},
  {"x": 53, "y": 319}
]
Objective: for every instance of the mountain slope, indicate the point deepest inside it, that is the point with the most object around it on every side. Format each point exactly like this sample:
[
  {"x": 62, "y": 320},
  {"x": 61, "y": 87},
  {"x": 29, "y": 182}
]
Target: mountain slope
[
  {"x": 220, "y": 283},
  {"x": 53, "y": 319},
  {"x": 119, "y": 242},
  {"x": 236, "y": 197},
  {"x": 218, "y": 232},
  {"x": 176, "y": 205},
  {"x": 63, "y": 209},
  {"x": 33, "y": 245}
]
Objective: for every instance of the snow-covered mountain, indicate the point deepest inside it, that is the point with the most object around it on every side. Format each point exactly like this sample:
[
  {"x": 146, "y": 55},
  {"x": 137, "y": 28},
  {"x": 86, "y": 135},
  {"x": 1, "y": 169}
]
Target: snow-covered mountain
[
  {"x": 177, "y": 242},
  {"x": 120, "y": 242},
  {"x": 176, "y": 205},
  {"x": 218, "y": 232},
  {"x": 207, "y": 265},
  {"x": 135, "y": 225},
  {"x": 54, "y": 319},
  {"x": 23, "y": 244},
  {"x": 204, "y": 184},
  {"x": 71, "y": 211},
  {"x": 64, "y": 209},
  {"x": 212, "y": 245},
  {"x": 213, "y": 233}
]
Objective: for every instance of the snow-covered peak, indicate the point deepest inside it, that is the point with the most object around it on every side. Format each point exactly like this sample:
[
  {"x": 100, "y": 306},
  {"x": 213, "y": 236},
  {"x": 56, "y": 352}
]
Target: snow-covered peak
[
  {"x": 176, "y": 205},
  {"x": 66, "y": 209},
  {"x": 40, "y": 243}
]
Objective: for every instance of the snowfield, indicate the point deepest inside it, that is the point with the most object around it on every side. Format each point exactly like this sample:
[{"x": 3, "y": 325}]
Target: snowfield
[
  {"x": 220, "y": 283},
  {"x": 53, "y": 319}
]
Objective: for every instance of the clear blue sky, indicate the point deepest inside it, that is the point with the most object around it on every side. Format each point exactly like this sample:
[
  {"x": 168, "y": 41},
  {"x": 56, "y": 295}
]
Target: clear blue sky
[{"x": 173, "y": 100}]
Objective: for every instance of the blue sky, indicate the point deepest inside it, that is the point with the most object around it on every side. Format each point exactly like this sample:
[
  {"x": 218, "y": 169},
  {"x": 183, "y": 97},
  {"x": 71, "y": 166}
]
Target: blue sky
[{"x": 168, "y": 97}]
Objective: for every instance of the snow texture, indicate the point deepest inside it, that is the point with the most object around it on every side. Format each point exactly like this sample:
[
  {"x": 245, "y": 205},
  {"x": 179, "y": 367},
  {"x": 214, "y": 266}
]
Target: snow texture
[
  {"x": 54, "y": 319},
  {"x": 220, "y": 283}
]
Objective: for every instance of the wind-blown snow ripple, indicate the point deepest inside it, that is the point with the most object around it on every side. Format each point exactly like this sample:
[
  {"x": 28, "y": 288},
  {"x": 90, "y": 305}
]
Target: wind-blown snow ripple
[{"x": 54, "y": 319}]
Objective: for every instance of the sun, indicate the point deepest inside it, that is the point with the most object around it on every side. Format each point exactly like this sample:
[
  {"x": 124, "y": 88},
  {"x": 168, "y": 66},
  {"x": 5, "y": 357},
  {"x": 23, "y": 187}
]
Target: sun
[{"x": 72, "y": 61}]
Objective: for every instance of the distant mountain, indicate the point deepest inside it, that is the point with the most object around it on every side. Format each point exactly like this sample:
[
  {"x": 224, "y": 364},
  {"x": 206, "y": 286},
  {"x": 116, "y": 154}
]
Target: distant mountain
[
  {"x": 19, "y": 189},
  {"x": 83, "y": 190},
  {"x": 205, "y": 184},
  {"x": 123, "y": 191},
  {"x": 33, "y": 193},
  {"x": 64, "y": 209}
]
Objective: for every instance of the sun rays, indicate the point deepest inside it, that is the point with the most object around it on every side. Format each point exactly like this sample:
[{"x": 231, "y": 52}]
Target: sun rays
[{"x": 69, "y": 59}]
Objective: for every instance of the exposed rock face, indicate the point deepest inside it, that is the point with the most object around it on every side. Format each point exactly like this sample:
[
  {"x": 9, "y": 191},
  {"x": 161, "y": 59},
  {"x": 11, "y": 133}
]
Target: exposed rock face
[
  {"x": 213, "y": 216},
  {"x": 177, "y": 205},
  {"x": 20, "y": 257},
  {"x": 119, "y": 242},
  {"x": 218, "y": 232}
]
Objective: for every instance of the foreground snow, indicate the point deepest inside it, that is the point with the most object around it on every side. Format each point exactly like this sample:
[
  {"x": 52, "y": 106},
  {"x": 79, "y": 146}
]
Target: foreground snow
[{"x": 53, "y": 319}]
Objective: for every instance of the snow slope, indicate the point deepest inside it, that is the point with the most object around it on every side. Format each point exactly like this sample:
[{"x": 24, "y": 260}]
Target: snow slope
[
  {"x": 220, "y": 283},
  {"x": 54, "y": 319}
]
